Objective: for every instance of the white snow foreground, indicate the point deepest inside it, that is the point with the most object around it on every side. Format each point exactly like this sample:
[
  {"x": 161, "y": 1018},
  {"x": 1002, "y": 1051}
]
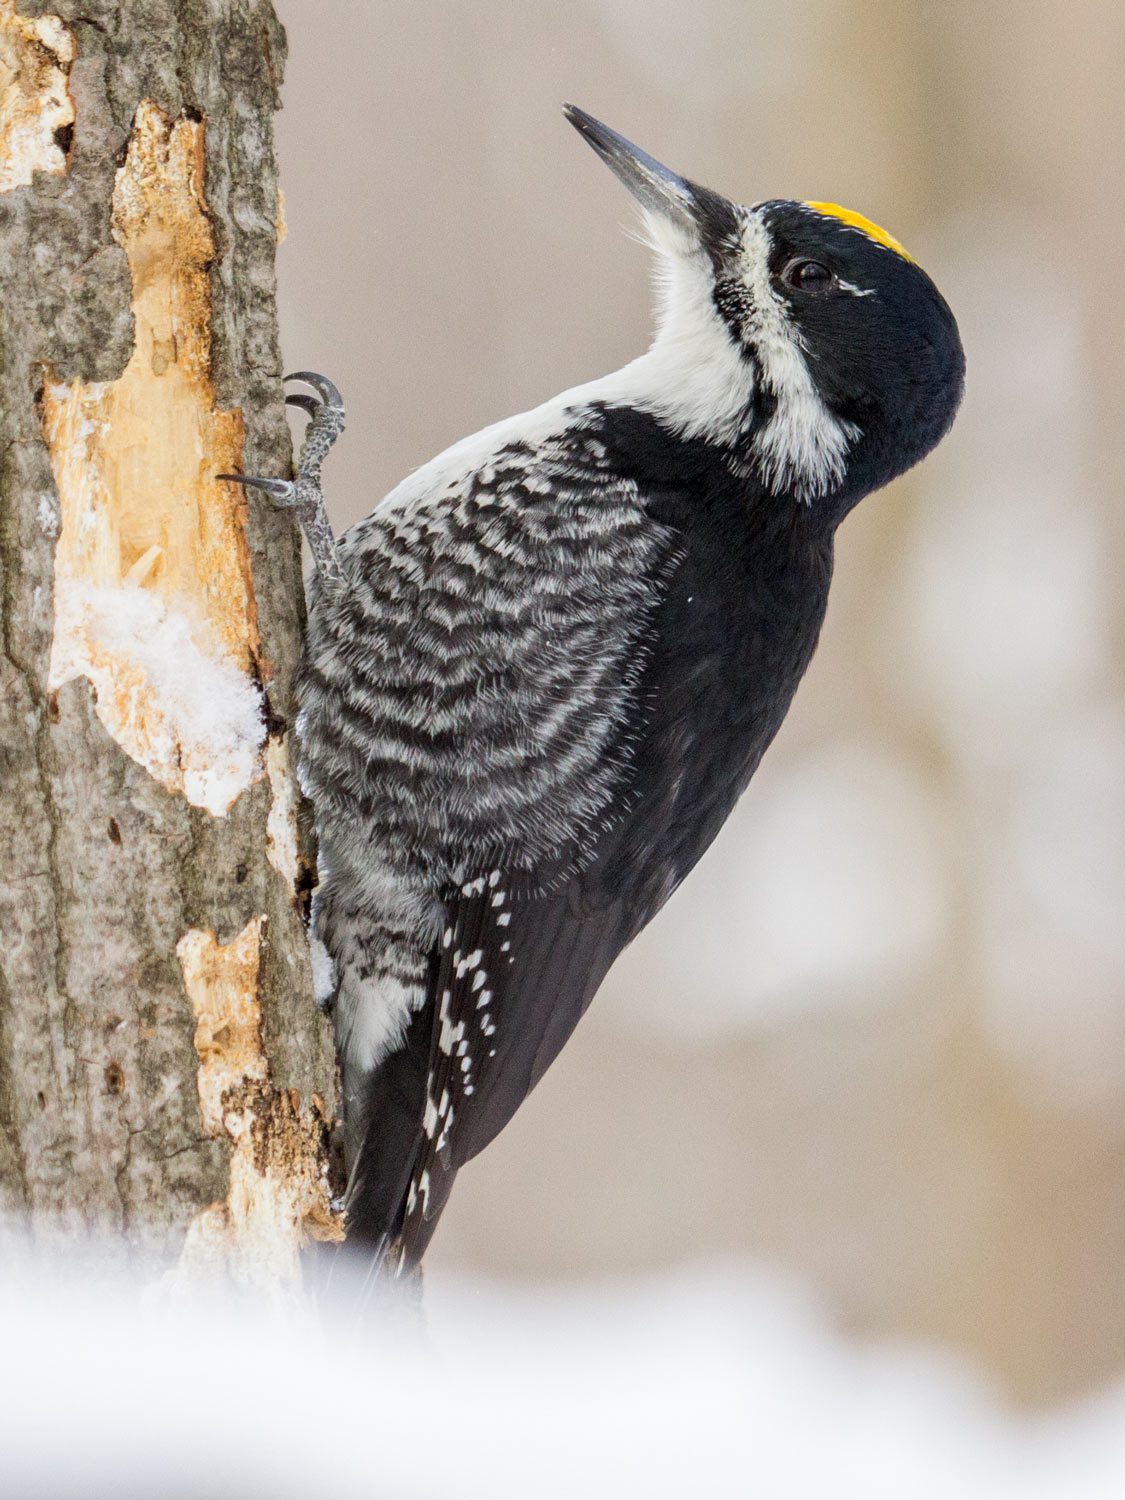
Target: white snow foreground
[{"x": 705, "y": 1384}]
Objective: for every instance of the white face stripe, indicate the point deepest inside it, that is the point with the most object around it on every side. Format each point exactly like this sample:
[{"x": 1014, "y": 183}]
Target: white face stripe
[{"x": 802, "y": 448}]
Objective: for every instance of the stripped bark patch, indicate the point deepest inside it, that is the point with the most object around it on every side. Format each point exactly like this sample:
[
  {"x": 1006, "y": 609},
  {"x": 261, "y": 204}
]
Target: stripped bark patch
[
  {"x": 278, "y": 1194},
  {"x": 282, "y": 847},
  {"x": 153, "y": 595},
  {"x": 36, "y": 110},
  {"x": 222, "y": 985}
]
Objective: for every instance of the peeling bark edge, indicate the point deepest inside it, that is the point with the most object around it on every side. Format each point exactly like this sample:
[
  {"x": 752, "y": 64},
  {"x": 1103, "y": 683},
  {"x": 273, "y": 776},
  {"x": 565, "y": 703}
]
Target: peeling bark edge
[{"x": 278, "y": 1195}]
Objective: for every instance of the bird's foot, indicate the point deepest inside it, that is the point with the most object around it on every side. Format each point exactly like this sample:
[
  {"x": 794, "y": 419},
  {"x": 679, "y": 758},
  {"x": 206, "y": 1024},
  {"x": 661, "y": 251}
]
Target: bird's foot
[{"x": 304, "y": 494}]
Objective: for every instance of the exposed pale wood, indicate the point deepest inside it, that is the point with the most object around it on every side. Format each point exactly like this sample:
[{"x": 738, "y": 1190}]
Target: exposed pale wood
[
  {"x": 278, "y": 1192},
  {"x": 36, "y": 109}
]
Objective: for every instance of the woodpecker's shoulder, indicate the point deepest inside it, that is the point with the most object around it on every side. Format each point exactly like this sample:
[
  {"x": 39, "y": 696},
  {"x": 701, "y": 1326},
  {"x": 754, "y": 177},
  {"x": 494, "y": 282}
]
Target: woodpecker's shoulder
[
  {"x": 499, "y": 461},
  {"x": 656, "y": 423}
]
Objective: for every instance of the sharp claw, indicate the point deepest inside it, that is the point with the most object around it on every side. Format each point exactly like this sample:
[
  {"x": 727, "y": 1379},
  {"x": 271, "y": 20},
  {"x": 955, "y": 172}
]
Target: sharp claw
[
  {"x": 306, "y": 403},
  {"x": 281, "y": 487},
  {"x": 321, "y": 384}
]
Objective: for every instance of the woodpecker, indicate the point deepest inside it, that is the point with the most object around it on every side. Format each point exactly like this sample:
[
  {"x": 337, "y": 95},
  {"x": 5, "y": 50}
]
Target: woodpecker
[{"x": 542, "y": 671}]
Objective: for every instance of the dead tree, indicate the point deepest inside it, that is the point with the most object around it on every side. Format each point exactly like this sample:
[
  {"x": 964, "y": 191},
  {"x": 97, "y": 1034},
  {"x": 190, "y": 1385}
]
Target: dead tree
[{"x": 165, "y": 1078}]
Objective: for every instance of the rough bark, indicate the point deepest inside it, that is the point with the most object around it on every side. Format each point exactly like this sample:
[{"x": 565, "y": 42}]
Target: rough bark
[{"x": 163, "y": 1071}]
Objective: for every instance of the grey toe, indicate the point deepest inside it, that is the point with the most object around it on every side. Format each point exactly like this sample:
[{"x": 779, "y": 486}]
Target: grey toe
[{"x": 321, "y": 384}]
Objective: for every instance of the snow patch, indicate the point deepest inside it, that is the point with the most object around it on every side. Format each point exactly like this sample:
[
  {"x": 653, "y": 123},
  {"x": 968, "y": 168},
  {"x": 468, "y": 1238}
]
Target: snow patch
[
  {"x": 48, "y": 513},
  {"x": 165, "y": 689},
  {"x": 705, "y": 1383}
]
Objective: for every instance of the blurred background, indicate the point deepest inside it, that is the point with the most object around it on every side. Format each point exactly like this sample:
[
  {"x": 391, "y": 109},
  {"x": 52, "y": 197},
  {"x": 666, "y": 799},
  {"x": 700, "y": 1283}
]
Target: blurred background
[{"x": 877, "y": 1042}]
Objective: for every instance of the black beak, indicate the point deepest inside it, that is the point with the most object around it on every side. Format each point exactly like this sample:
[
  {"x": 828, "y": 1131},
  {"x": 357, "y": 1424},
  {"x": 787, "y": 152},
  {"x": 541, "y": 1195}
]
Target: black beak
[{"x": 655, "y": 188}]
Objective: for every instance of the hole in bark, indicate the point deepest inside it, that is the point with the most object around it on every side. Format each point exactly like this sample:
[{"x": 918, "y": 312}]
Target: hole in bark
[
  {"x": 240, "y": 875},
  {"x": 276, "y": 724},
  {"x": 114, "y": 1078},
  {"x": 42, "y": 1099},
  {"x": 52, "y": 708},
  {"x": 64, "y": 138},
  {"x": 303, "y": 887},
  {"x": 114, "y": 831}
]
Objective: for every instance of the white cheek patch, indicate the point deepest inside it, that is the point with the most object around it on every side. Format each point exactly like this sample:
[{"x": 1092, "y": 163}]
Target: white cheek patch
[{"x": 803, "y": 447}]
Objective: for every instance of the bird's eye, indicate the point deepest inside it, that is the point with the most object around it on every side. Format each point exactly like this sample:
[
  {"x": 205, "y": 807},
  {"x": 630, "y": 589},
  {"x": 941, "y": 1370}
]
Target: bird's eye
[{"x": 808, "y": 276}]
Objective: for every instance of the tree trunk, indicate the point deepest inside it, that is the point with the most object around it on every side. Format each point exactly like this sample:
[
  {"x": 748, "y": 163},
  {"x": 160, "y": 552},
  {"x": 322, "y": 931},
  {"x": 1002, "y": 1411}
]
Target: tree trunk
[{"x": 165, "y": 1078}]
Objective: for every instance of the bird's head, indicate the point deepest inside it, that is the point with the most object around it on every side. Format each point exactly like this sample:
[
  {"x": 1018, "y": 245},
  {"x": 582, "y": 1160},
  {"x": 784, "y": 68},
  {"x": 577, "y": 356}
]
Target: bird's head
[{"x": 800, "y": 336}]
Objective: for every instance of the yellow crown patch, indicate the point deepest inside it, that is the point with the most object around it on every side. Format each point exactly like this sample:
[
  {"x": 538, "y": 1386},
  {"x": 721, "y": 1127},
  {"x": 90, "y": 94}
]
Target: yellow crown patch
[{"x": 857, "y": 221}]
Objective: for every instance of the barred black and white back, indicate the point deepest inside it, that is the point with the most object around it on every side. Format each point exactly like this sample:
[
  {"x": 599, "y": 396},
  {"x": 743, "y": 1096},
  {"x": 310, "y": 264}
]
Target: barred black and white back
[{"x": 541, "y": 672}]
